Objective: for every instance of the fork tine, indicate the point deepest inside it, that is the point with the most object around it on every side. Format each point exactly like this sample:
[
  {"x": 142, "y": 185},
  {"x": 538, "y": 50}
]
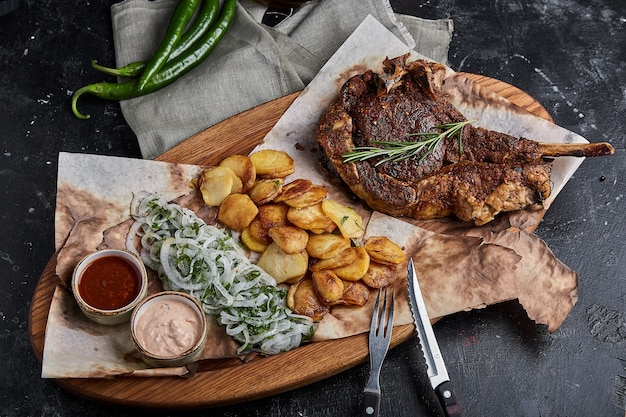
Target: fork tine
[
  {"x": 381, "y": 325},
  {"x": 380, "y": 332},
  {"x": 391, "y": 308},
  {"x": 385, "y": 324},
  {"x": 374, "y": 321}
]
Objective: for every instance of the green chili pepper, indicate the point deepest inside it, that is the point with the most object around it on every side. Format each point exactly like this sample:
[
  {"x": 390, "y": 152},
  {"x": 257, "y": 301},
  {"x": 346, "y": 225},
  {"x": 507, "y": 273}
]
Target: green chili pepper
[
  {"x": 206, "y": 16},
  {"x": 129, "y": 71},
  {"x": 170, "y": 72},
  {"x": 178, "y": 23}
]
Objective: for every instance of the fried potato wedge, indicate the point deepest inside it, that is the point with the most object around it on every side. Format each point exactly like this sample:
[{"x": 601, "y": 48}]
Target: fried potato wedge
[
  {"x": 270, "y": 215},
  {"x": 290, "y": 239},
  {"x": 296, "y": 234},
  {"x": 303, "y": 299},
  {"x": 271, "y": 163},
  {"x": 345, "y": 257},
  {"x": 326, "y": 245},
  {"x": 243, "y": 167},
  {"x": 355, "y": 293},
  {"x": 358, "y": 268},
  {"x": 315, "y": 195},
  {"x": 274, "y": 215},
  {"x": 284, "y": 267},
  {"x": 250, "y": 242},
  {"x": 259, "y": 233},
  {"x": 380, "y": 275},
  {"x": 237, "y": 211},
  {"x": 328, "y": 285},
  {"x": 294, "y": 189},
  {"x": 384, "y": 250},
  {"x": 349, "y": 222},
  {"x": 311, "y": 218},
  {"x": 265, "y": 191},
  {"x": 216, "y": 183}
]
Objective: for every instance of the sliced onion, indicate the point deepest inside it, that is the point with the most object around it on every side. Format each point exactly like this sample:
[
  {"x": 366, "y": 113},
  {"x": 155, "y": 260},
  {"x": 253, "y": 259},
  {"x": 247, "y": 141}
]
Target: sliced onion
[{"x": 244, "y": 297}]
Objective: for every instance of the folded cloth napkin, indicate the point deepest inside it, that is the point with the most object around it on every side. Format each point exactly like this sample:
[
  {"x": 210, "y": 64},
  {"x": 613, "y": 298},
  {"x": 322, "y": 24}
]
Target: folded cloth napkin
[{"x": 253, "y": 64}]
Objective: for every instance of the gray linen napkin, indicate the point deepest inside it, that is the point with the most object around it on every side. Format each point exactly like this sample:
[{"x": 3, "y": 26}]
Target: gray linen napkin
[{"x": 253, "y": 64}]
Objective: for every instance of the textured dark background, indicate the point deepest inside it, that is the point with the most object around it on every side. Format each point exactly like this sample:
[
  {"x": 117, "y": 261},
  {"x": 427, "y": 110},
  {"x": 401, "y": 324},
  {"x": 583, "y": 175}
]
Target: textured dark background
[{"x": 568, "y": 54}]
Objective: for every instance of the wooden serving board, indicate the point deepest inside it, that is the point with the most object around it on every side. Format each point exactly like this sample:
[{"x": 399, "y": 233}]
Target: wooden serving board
[{"x": 230, "y": 381}]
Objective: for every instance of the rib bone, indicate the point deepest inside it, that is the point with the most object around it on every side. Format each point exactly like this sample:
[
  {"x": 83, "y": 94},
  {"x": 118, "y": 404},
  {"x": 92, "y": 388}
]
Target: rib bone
[{"x": 575, "y": 149}]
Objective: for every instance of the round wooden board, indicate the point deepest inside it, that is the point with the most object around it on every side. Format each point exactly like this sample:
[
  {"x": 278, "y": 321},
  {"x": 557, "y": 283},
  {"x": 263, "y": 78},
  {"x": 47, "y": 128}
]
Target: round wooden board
[{"x": 228, "y": 382}]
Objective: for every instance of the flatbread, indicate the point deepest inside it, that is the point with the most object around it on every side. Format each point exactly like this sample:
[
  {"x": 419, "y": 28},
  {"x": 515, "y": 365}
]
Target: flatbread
[
  {"x": 94, "y": 194},
  {"x": 459, "y": 268},
  {"x": 76, "y": 347},
  {"x": 546, "y": 287}
]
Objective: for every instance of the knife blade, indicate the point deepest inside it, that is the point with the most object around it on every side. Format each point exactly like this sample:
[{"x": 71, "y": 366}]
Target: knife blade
[{"x": 436, "y": 367}]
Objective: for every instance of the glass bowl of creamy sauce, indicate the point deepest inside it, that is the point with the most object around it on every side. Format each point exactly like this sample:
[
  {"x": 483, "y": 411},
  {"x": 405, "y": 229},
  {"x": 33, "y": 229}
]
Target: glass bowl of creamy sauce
[
  {"x": 109, "y": 284},
  {"x": 169, "y": 329}
]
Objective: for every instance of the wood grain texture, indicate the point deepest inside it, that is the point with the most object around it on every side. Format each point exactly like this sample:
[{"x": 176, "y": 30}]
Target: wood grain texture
[
  {"x": 512, "y": 93},
  {"x": 237, "y": 135},
  {"x": 227, "y": 382}
]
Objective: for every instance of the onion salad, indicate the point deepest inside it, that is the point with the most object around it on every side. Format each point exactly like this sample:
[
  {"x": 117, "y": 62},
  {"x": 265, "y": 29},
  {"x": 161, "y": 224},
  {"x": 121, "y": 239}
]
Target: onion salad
[{"x": 208, "y": 263}]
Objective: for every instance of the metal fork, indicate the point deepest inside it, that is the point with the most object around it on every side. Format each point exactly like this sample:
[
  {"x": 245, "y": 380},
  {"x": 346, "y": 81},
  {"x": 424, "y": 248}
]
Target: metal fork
[{"x": 379, "y": 338}]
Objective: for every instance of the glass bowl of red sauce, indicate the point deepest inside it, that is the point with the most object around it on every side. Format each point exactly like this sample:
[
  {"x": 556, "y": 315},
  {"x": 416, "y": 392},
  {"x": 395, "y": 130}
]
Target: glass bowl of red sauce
[{"x": 109, "y": 284}]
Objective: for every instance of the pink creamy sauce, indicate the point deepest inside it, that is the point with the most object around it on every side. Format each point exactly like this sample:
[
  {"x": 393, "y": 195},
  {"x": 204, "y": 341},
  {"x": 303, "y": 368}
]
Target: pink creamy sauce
[{"x": 168, "y": 328}]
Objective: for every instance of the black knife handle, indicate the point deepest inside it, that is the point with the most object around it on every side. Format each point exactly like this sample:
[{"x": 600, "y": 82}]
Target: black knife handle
[
  {"x": 371, "y": 403},
  {"x": 447, "y": 399}
]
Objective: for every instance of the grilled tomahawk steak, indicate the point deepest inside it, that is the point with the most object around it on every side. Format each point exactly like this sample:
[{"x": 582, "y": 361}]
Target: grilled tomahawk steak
[{"x": 490, "y": 173}]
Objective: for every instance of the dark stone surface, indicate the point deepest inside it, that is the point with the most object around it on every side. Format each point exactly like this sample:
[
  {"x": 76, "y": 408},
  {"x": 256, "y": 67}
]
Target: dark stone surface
[{"x": 568, "y": 54}]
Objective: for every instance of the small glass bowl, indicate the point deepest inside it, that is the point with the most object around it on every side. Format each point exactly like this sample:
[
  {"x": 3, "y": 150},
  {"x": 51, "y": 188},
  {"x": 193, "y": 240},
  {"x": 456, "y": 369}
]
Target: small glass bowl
[
  {"x": 169, "y": 329},
  {"x": 115, "y": 315}
]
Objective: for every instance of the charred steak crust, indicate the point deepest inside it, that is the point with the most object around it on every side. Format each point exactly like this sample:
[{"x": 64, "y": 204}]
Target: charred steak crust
[{"x": 494, "y": 172}]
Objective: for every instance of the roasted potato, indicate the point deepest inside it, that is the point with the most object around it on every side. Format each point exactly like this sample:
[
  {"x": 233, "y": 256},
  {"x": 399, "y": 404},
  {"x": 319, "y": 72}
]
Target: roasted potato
[
  {"x": 243, "y": 167},
  {"x": 358, "y": 268},
  {"x": 290, "y": 239},
  {"x": 293, "y": 229},
  {"x": 273, "y": 215},
  {"x": 328, "y": 285},
  {"x": 265, "y": 191},
  {"x": 250, "y": 242},
  {"x": 217, "y": 183},
  {"x": 349, "y": 222},
  {"x": 271, "y": 163},
  {"x": 270, "y": 215},
  {"x": 355, "y": 293},
  {"x": 380, "y": 275},
  {"x": 294, "y": 189},
  {"x": 237, "y": 211},
  {"x": 343, "y": 258},
  {"x": 311, "y": 218},
  {"x": 303, "y": 299},
  {"x": 315, "y": 195},
  {"x": 326, "y": 245},
  {"x": 284, "y": 267},
  {"x": 384, "y": 250}
]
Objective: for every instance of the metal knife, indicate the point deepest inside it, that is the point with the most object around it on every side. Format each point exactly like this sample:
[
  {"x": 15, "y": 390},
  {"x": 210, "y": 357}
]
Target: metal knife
[{"x": 437, "y": 372}]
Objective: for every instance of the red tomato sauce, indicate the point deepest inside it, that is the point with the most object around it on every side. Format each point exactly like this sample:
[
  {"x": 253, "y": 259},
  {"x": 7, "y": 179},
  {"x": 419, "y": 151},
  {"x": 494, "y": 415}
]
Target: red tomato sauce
[{"x": 109, "y": 283}]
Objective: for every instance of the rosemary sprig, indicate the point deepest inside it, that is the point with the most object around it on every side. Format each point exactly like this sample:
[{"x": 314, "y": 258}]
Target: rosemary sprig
[{"x": 397, "y": 151}]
